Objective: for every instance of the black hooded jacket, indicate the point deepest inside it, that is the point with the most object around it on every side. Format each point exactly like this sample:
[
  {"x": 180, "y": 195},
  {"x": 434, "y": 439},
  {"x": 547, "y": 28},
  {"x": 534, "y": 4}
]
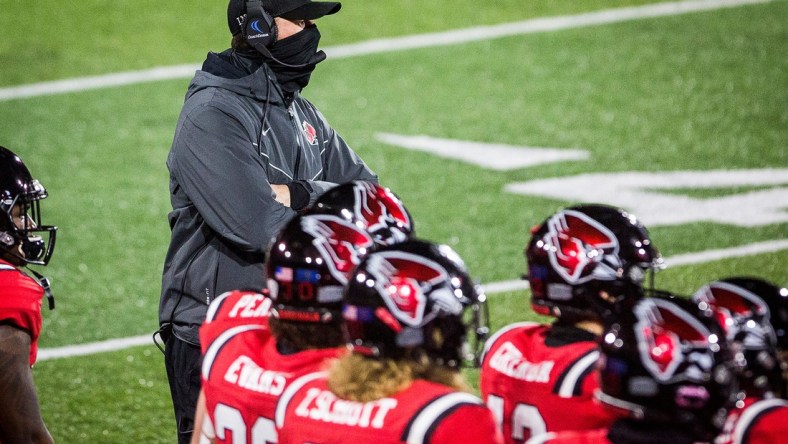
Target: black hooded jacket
[{"x": 238, "y": 134}]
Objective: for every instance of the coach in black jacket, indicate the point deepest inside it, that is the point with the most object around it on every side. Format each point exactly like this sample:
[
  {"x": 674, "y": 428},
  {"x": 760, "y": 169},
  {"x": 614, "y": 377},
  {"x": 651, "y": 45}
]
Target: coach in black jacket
[{"x": 248, "y": 153}]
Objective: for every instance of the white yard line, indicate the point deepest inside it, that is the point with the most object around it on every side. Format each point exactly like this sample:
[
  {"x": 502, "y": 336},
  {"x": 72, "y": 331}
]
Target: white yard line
[
  {"x": 546, "y": 24},
  {"x": 94, "y": 347},
  {"x": 97, "y": 82},
  {"x": 492, "y": 288},
  {"x": 725, "y": 253}
]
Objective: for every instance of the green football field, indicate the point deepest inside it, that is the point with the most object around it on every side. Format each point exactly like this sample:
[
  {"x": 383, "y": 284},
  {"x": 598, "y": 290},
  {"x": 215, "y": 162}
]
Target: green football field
[{"x": 677, "y": 112}]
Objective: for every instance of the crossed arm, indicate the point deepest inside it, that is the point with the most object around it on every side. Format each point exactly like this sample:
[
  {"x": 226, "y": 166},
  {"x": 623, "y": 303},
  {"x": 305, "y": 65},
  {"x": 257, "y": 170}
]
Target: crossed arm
[
  {"x": 282, "y": 194},
  {"x": 20, "y": 416}
]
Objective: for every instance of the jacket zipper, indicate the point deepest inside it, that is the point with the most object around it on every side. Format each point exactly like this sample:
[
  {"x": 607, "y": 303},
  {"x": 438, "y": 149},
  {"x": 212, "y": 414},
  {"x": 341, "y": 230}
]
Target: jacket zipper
[{"x": 298, "y": 142}]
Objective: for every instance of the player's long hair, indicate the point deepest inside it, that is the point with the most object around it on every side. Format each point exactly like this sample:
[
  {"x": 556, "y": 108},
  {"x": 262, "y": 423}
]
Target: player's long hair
[
  {"x": 307, "y": 335},
  {"x": 362, "y": 379}
]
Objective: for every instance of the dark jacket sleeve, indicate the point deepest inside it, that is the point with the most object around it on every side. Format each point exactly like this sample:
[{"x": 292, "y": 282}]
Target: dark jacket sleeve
[
  {"x": 219, "y": 169},
  {"x": 340, "y": 163}
]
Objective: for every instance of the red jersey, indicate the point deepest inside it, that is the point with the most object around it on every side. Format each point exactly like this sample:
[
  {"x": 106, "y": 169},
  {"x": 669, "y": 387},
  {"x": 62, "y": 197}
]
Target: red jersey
[
  {"x": 243, "y": 374},
  {"x": 598, "y": 436},
  {"x": 20, "y": 303},
  {"x": 234, "y": 308},
  {"x": 626, "y": 431},
  {"x": 760, "y": 421},
  {"x": 425, "y": 412},
  {"x": 534, "y": 388}
]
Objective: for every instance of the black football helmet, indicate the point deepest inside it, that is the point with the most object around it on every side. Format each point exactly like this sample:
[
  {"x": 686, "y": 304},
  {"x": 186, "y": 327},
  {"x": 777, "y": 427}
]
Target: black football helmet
[
  {"x": 21, "y": 239},
  {"x": 309, "y": 262},
  {"x": 582, "y": 251},
  {"x": 775, "y": 297},
  {"x": 746, "y": 318},
  {"x": 666, "y": 362},
  {"x": 370, "y": 207},
  {"x": 415, "y": 299}
]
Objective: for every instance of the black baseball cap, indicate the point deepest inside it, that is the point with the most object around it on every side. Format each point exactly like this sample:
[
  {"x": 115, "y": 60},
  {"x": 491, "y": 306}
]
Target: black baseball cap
[{"x": 289, "y": 9}]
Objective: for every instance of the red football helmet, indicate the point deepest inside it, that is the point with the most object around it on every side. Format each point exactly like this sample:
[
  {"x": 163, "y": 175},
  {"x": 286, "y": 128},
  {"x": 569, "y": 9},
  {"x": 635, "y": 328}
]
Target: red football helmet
[
  {"x": 370, "y": 207},
  {"x": 415, "y": 298},
  {"x": 745, "y": 318},
  {"x": 308, "y": 264},
  {"x": 668, "y": 363},
  {"x": 584, "y": 260}
]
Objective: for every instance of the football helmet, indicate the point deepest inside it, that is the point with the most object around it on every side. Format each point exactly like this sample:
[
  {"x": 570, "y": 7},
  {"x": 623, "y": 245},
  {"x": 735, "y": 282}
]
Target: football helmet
[
  {"x": 21, "y": 231},
  {"x": 775, "y": 297},
  {"x": 370, "y": 207},
  {"x": 308, "y": 264},
  {"x": 667, "y": 362},
  {"x": 583, "y": 261},
  {"x": 746, "y": 319},
  {"x": 415, "y": 299}
]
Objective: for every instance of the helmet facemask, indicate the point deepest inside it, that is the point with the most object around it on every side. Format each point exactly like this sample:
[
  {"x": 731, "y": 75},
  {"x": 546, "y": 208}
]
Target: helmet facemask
[
  {"x": 458, "y": 341},
  {"x": 23, "y": 238},
  {"x": 476, "y": 320}
]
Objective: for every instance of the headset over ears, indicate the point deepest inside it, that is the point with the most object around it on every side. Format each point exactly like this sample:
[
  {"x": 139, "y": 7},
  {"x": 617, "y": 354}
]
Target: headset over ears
[
  {"x": 261, "y": 32},
  {"x": 260, "y": 29}
]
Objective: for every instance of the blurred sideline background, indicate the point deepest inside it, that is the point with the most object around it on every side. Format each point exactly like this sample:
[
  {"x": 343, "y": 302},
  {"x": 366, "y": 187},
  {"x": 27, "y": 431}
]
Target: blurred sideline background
[{"x": 678, "y": 112}]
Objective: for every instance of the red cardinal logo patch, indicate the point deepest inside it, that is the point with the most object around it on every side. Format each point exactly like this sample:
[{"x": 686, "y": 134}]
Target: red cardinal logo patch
[
  {"x": 670, "y": 338},
  {"x": 380, "y": 210},
  {"x": 403, "y": 281},
  {"x": 309, "y": 132},
  {"x": 577, "y": 241},
  {"x": 743, "y": 315},
  {"x": 341, "y": 244}
]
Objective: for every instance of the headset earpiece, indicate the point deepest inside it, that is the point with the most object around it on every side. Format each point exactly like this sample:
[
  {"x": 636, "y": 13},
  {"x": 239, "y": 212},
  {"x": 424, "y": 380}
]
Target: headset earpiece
[
  {"x": 259, "y": 28},
  {"x": 261, "y": 32}
]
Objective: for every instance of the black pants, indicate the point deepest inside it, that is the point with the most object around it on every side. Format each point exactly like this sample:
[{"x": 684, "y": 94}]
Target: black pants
[{"x": 183, "y": 362}]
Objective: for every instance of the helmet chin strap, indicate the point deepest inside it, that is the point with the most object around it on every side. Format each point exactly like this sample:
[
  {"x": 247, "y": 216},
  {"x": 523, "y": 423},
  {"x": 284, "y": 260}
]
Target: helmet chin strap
[
  {"x": 44, "y": 281},
  {"x": 19, "y": 261}
]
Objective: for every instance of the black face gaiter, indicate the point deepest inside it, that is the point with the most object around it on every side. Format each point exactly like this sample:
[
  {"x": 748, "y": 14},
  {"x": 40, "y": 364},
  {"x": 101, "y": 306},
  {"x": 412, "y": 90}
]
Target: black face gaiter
[{"x": 300, "y": 52}]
